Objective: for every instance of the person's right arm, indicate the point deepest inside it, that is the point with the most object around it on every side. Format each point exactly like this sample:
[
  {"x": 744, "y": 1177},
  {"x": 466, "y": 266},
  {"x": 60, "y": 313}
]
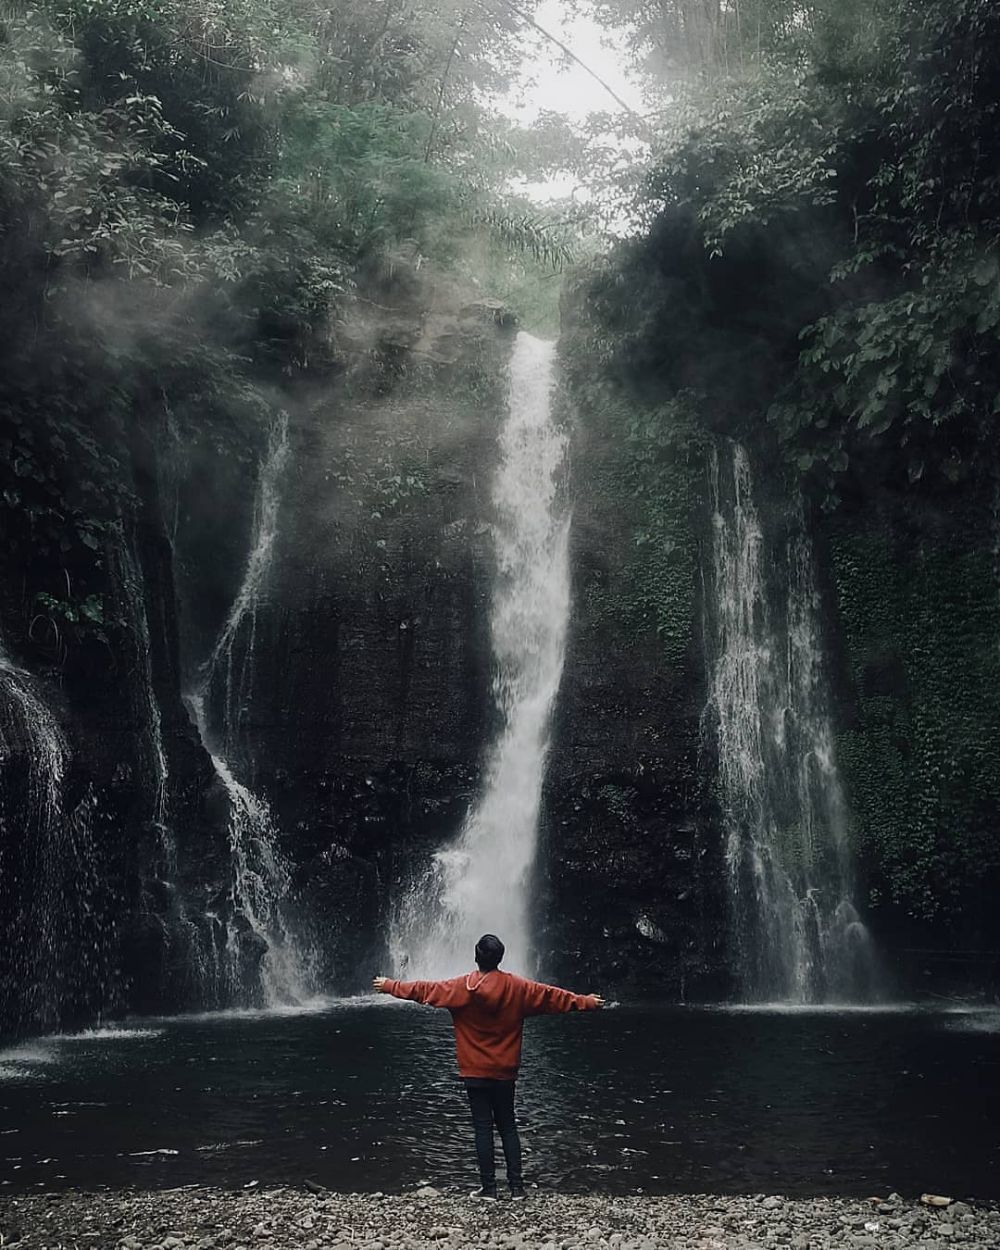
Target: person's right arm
[
  {"x": 543, "y": 1000},
  {"x": 446, "y": 994}
]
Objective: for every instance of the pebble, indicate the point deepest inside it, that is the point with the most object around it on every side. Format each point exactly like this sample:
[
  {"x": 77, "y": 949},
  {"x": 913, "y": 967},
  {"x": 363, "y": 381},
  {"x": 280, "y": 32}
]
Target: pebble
[{"x": 433, "y": 1218}]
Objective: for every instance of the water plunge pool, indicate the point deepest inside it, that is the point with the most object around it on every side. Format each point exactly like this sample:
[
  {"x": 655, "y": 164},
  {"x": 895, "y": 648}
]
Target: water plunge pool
[{"x": 361, "y": 1095}]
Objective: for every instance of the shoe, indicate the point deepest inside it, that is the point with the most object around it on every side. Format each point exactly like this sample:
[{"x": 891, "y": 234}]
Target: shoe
[
  {"x": 517, "y": 1193},
  {"x": 487, "y": 1193}
]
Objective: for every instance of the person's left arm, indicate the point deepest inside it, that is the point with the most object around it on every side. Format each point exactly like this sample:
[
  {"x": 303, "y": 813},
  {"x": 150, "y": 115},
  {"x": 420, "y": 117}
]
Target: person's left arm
[
  {"x": 543, "y": 1000},
  {"x": 447, "y": 994}
]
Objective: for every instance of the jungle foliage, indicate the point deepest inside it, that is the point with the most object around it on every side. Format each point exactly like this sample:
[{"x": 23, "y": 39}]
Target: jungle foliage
[{"x": 196, "y": 199}]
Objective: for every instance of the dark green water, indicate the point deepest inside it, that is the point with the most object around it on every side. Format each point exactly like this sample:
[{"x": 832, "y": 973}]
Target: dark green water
[{"x": 360, "y": 1095}]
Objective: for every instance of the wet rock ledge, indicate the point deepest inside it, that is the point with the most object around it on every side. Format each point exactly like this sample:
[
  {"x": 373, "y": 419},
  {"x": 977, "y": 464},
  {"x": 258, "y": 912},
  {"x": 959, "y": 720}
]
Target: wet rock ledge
[{"x": 203, "y": 1219}]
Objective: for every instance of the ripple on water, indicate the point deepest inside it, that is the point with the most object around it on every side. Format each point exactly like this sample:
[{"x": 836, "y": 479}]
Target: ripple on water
[
  {"x": 31, "y": 1060},
  {"x": 218, "y": 1146},
  {"x": 12, "y": 1072},
  {"x": 110, "y": 1034},
  {"x": 984, "y": 1020},
  {"x": 27, "y": 1056},
  {"x": 308, "y": 1007},
  {"x": 817, "y": 1009}
]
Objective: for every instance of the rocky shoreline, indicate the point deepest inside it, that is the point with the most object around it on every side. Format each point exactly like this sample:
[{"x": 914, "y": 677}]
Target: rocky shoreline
[{"x": 195, "y": 1218}]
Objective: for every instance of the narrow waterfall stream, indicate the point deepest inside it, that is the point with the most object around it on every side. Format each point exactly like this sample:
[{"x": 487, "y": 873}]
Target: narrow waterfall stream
[
  {"x": 186, "y": 935},
  {"x": 230, "y": 668},
  {"x": 26, "y": 713},
  {"x": 479, "y": 883},
  {"x": 260, "y": 875},
  {"x": 131, "y": 585},
  {"x": 260, "y": 882},
  {"x": 796, "y": 932},
  {"x": 47, "y": 885}
]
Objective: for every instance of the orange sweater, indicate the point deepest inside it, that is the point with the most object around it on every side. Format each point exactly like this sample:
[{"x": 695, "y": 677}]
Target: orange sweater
[{"x": 488, "y": 1011}]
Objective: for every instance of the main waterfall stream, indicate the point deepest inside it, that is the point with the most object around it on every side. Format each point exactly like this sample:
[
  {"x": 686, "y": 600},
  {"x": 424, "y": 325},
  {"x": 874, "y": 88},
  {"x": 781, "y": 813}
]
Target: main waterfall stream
[{"x": 480, "y": 882}]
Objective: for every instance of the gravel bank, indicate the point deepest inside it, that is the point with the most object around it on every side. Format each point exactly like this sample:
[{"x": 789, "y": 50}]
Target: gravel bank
[{"x": 204, "y": 1219}]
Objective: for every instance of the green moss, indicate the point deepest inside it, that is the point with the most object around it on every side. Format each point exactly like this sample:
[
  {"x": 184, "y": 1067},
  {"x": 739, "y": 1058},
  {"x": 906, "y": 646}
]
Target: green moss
[
  {"x": 653, "y": 586},
  {"x": 922, "y": 760},
  {"x": 637, "y": 475}
]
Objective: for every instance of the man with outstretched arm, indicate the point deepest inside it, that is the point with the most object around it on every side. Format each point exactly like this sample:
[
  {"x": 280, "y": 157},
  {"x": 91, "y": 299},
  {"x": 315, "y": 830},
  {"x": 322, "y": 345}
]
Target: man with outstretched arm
[{"x": 488, "y": 1008}]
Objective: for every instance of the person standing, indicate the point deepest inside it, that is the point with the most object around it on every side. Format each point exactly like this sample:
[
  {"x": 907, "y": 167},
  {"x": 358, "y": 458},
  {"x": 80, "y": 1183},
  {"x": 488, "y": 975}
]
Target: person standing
[{"x": 488, "y": 1009}]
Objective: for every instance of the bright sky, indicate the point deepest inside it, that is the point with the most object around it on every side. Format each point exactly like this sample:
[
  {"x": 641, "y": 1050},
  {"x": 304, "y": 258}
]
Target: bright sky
[
  {"x": 565, "y": 87},
  {"x": 551, "y": 81}
]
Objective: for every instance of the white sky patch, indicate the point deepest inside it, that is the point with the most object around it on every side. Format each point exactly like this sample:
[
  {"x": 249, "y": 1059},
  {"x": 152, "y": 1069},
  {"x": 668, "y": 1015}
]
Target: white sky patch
[{"x": 552, "y": 81}]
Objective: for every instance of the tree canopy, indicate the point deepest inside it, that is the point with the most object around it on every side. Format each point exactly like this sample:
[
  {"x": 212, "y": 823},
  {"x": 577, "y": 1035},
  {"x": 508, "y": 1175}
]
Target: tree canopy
[{"x": 195, "y": 197}]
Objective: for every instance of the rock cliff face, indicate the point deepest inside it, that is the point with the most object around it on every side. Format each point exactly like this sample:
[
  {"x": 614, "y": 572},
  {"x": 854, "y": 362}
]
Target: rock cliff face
[
  {"x": 912, "y": 600},
  {"x": 364, "y": 704},
  {"x": 98, "y": 877},
  {"x": 631, "y": 853},
  {"x": 371, "y": 708},
  {"x": 363, "y": 689}
]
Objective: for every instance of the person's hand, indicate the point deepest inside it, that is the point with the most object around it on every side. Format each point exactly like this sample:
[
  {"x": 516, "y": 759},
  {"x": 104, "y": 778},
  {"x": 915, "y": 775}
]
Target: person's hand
[
  {"x": 598, "y": 1000},
  {"x": 378, "y": 984}
]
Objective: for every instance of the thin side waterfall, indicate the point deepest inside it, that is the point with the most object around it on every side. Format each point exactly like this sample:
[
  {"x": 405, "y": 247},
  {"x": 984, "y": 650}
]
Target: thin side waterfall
[
  {"x": 260, "y": 883},
  {"x": 797, "y": 934},
  {"x": 480, "y": 882},
  {"x": 187, "y": 937},
  {"x": 27, "y": 715},
  {"x": 132, "y": 586},
  {"x": 47, "y": 873},
  {"x": 257, "y": 927},
  {"x": 230, "y": 666}
]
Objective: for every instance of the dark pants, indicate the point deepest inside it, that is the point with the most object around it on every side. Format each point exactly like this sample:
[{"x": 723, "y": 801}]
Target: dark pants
[{"x": 492, "y": 1102}]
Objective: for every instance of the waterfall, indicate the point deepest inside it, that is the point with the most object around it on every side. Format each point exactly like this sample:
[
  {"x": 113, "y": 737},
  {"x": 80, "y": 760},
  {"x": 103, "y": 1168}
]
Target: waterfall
[
  {"x": 259, "y": 884},
  {"x": 32, "y": 885},
  {"x": 27, "y": 715},
  {"x": 188, "y": 936},
  {"x": 54, "y": 952},
  {"x": 797, "y": 933},
  {"x": 256, "y": 928},
  {"x": 479, "y": 883},
  {"x": 131, "y": 583},
  {"x": 230, "y": 666}
]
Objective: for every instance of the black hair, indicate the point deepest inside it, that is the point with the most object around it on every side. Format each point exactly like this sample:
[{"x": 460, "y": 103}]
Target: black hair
[{"x": 489, "y": 952}]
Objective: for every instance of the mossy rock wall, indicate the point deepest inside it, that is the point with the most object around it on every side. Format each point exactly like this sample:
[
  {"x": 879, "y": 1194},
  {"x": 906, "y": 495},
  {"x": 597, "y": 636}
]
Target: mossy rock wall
[{"x": 919, "y": 614}]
